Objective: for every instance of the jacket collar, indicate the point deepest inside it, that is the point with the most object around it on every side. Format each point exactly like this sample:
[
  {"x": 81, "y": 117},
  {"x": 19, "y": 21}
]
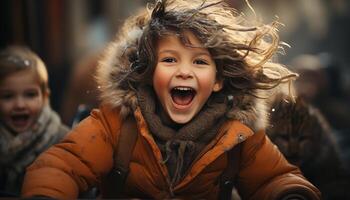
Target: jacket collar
[{"x": 231, "y": 133}]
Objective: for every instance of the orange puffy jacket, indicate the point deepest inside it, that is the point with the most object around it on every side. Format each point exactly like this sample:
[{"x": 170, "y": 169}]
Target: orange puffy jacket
[{"x": 86, "y": 155}]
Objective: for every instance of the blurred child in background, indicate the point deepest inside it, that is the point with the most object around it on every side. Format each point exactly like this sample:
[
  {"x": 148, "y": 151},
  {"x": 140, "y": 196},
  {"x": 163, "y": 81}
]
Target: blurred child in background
[{"x": 28, "y": 125}]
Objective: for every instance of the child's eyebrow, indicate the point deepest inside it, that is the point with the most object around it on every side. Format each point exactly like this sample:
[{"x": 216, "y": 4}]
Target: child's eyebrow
[
  {"x": 204, "y": 53},
  {"x": 167, "y": 51},
  {"x": 5, "y": 90}
]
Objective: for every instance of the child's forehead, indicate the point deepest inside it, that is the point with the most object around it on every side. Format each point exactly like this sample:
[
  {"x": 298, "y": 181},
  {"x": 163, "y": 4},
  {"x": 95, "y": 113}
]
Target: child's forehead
[
  {"x": 186, "y": 38},
  {"x": 22, "y": 74}
]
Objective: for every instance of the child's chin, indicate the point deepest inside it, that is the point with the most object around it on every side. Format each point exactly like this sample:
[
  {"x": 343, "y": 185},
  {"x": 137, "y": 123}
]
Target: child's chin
[
  {"x": 181, "y": 119},
  {"x": 20, "y": 129}
]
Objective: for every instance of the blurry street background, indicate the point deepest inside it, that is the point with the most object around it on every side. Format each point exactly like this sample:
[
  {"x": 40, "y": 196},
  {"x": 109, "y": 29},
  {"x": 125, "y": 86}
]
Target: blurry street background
[{"x": 69, "y": 35}]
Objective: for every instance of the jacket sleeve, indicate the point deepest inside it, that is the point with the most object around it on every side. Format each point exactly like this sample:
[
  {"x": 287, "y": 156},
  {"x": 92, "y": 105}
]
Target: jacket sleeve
[
  {"x": 74, "y": 164},
  {"x": 266, "y": 175}
]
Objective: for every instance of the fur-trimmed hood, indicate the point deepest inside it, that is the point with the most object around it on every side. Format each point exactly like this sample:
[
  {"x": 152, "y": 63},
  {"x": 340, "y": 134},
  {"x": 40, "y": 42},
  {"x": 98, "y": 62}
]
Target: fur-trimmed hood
[{"x": 116, "y": 64}]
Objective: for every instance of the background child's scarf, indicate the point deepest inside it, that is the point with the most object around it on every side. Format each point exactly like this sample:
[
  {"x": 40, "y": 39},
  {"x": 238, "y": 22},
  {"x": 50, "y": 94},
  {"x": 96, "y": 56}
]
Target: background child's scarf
[{"x": 18, "y": 151}]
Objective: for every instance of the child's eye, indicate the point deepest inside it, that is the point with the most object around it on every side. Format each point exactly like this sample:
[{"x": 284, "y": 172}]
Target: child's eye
[
  {"x": 6, "y": 96},
  {"x": 31, "y": 94},
  {"x": 168, "y": 60},
  {"x": 201, "y": 62}
]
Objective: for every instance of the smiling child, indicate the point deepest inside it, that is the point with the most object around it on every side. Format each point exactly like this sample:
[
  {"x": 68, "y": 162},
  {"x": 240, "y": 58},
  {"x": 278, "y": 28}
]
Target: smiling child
[
  {"x": 27, "y": 124},
  {"x": 190, "y": 77}
]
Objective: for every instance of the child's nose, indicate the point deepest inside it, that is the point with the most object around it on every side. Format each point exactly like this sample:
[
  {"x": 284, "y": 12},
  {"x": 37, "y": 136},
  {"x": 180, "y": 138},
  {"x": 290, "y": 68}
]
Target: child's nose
[
  {"x": 20, "y": 103},
  {"x": 184, "y": 72}
]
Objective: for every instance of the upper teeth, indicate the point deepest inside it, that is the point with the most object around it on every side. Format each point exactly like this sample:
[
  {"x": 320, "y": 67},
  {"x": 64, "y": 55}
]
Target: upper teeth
[{"x": 183, "y": 88}]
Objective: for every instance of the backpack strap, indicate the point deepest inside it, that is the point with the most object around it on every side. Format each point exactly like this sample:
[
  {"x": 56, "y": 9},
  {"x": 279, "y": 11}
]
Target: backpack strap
[
  {"x": 228, "y": 177},
  {"x": 115, "y": 180}
]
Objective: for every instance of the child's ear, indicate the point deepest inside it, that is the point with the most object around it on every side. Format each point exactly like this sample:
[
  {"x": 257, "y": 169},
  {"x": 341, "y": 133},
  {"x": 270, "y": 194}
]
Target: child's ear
[
  {"x": 218, "y": 85},
  {"x": 46, "y": 96}
]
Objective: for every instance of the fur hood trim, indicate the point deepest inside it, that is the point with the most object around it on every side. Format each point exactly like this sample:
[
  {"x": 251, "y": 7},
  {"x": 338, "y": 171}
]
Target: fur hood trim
[{"x": 115, "y": 64}]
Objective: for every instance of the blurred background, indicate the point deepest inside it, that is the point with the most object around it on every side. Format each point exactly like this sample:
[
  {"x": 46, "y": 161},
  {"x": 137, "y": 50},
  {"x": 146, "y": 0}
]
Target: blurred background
[{"x": 69, "y": 35}]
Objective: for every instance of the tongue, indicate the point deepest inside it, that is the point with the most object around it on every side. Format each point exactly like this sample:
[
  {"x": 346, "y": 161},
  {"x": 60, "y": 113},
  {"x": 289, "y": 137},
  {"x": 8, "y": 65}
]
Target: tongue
[{"x": 182, "y": 99}]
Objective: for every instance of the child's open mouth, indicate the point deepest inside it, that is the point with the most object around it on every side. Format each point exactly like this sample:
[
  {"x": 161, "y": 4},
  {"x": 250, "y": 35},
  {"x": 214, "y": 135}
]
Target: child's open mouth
[
  {"x": 182, "y": 95},
  {"x": 20, "y": 119}
]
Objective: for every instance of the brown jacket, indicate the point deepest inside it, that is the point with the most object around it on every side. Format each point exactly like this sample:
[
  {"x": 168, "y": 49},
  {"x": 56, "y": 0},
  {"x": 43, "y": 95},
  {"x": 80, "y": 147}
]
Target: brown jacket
[{"x": 86, "y": 155}]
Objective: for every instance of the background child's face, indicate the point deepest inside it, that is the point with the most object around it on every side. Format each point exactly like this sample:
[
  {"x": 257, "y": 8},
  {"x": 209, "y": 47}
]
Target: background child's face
[
  {"x": 184, "y": 77},
  {"x": 21, "y": 101}
]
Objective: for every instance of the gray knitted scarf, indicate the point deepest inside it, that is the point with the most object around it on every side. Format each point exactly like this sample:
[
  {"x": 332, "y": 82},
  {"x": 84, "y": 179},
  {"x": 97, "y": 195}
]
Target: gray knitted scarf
[
  {"x": 180, "y": 147},
  {"x": 18, "y": 151}
]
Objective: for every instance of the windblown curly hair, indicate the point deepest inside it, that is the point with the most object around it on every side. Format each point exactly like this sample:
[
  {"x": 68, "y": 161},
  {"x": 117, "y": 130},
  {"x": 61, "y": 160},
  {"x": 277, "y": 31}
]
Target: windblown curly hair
[{"x": 242, "y": 50}]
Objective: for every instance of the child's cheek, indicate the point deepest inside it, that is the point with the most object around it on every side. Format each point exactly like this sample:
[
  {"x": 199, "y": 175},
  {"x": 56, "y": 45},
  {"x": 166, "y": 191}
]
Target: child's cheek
[{"x": 160, "y": 79}]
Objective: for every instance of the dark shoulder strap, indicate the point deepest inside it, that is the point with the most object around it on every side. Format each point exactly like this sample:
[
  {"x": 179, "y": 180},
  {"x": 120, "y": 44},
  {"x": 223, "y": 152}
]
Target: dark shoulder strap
[
  {"x": 122, "y": 155},
  {"x": 126, "y": 144},
  {"x": 228, "y": 177}
]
